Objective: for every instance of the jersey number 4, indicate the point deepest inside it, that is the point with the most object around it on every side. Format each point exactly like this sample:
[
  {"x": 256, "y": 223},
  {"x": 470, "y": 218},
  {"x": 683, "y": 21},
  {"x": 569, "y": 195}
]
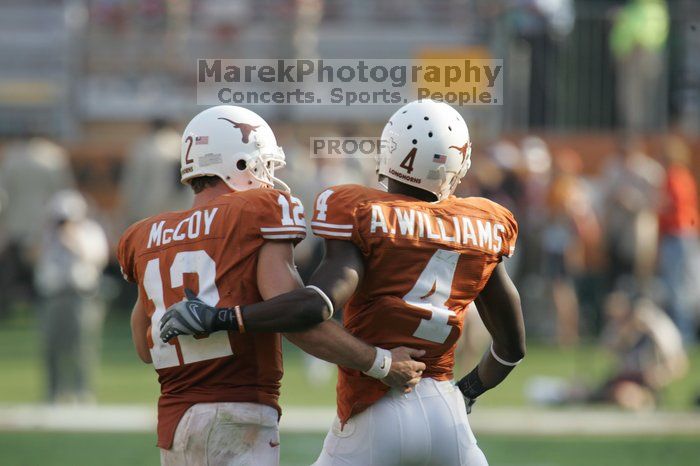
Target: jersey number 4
[
  {"x": 431, "y": 292},
  {"x": 407, "y": 163},
  {"x": 217, "y": 345}
]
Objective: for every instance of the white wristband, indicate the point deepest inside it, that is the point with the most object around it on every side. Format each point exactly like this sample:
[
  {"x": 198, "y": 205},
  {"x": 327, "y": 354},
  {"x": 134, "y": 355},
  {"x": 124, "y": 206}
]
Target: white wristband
[
  {"x": 325, "y": 297},
  {"x": 382, "y": 364},
  {"x": 503, "y": 361}
]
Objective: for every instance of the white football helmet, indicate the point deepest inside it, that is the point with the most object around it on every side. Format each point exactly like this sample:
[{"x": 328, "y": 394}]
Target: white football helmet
[
  {"x": 426, "y": 145},
  {"x": 233, "y": 143}
]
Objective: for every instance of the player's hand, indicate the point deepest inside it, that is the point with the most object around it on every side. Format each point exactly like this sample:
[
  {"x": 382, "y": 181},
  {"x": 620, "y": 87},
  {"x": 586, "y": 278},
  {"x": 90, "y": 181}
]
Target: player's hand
[
  {"x": 190, "y": 317},
  {"x": 405, "y": 372}
]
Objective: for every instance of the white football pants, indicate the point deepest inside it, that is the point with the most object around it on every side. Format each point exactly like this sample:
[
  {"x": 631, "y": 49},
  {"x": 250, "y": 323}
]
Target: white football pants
[
  {"x": 428, "y": 426},
  {"x": 225, "y": 434}
]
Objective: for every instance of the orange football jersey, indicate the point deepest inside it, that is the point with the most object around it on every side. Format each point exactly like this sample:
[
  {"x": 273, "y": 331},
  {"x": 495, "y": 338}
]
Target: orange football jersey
[
  {"x": 424, "y": 264},
  {"x": 213, "y": 250}
]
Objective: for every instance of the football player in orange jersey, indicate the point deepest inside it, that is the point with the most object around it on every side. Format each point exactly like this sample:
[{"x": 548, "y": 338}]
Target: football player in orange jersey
[
  {"x": 219, "y": 392},
  {"x": 406, "y": 264}
]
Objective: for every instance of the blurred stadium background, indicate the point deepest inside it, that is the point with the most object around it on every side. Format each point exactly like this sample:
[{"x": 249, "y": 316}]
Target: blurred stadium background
[{"x": 596, "y": 150}]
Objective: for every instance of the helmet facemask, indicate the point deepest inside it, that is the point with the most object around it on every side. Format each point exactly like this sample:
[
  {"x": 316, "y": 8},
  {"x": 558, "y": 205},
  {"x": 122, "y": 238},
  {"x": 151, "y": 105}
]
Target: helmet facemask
[
  {"x": 451, "y": 187},
  {"x": 262, "y": 167}
]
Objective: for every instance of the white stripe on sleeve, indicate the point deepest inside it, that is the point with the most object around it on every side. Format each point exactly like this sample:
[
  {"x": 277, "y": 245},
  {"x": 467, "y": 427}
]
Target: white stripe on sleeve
[
  {"x": 281, "y": 229},
  {"x": 332, "y": 225},
  {"x": 346, "y": 234},
  {"x": 293, "y": 236}
]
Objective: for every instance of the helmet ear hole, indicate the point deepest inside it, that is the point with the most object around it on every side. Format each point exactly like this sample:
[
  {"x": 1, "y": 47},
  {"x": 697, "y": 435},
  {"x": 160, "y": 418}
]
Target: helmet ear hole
[{"x": 241, "y": 165}]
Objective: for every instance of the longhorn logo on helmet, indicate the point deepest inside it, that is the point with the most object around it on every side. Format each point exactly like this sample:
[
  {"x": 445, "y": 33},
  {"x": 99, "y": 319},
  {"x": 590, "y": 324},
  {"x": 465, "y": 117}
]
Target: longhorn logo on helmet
[{"x": 245, "y": 128}]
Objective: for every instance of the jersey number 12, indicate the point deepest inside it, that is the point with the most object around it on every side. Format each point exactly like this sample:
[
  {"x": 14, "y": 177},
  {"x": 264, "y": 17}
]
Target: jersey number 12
[{"x": 216, "y": 345}]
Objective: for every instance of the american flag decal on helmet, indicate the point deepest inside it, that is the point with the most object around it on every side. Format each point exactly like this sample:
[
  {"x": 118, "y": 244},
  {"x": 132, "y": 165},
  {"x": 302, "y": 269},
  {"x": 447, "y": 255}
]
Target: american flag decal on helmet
[
  {"x": 437, "y": 158},
  {"x": 200, "y": 140}
]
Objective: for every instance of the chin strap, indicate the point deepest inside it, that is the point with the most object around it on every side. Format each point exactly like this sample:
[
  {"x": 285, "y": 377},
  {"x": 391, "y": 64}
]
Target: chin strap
[{"x": 282, "y": 184}]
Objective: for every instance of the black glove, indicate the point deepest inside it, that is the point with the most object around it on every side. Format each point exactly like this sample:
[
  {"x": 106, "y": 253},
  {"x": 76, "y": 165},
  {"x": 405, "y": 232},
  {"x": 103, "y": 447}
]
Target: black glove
[
  {"x": 195, "y": 317},
  {"x": 471, "y": 387}
]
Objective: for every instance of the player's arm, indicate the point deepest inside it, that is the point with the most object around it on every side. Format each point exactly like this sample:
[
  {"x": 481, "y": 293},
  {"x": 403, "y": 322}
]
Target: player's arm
[
  {"x": 499, "y": 307},
  {"x": 139, "y": 331},
  {"x": 338, "y": 276},
  {"x": 289, "y": 307},
  {"x": 327, "y": 340},
  {"x": 302, "y": 309},
  {"x": 276, "y": 275}
]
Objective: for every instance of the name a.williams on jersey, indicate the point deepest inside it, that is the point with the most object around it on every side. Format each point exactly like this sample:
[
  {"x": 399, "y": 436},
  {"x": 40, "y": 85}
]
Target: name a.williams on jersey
[
  {"x": 187, "y": 228},
  {"x": 414, "y": 223}
]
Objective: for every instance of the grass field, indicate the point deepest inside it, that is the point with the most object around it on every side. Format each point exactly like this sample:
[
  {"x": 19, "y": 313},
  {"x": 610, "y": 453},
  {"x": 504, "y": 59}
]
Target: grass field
[
  {"x": 63, "y": 449},
  {"x": 124, "y": 380}
]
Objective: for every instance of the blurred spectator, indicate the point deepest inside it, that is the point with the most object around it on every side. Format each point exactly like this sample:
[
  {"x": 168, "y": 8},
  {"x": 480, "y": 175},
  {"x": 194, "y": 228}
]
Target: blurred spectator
[
  {"x": 31, "y": 172},
  {"x": 507, "y": 156},
  {"x": 540, "y": 26},
  {"x": 637, "y": 40},
  {"x": 498, "y": 177},
  {"x": 571, "y": 230},
  {"x": 493, "y": 180},
  {"x": 648, "y": 350},
  {"x": 538, "y": 174},
  {"x": 151, "y": 179},
  {"x": 225, "y": 18},
  {"x": 110, "y": 13},
  {"x": 633, "y": 180},
  {"x": 3, "y": 206},
  {"x": 648, "y": 356},
  {"x": 536, "y": 177},
  {"x": 679, "y": 248},
  {"x": 72, "y": 258}
]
